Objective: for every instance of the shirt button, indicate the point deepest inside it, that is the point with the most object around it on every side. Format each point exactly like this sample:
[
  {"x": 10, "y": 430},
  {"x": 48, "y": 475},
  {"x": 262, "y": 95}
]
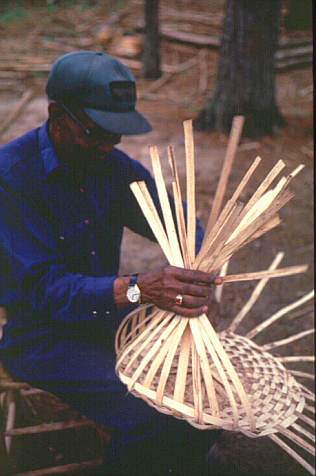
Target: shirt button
[
  {"x": 107, "y": 312},
  {"x": 61, "y": 237},
  {"x": 93, "y": 253},
  {"x": 87, "y": 221}
]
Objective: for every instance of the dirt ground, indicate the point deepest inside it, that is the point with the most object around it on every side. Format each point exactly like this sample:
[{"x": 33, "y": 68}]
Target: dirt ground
[{"x": 179, "y": 99}]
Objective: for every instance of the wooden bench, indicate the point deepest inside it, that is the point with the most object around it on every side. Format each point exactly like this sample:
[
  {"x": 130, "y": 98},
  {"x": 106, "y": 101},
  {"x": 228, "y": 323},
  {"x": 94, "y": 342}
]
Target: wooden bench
[{"x": 41, "y": 435}]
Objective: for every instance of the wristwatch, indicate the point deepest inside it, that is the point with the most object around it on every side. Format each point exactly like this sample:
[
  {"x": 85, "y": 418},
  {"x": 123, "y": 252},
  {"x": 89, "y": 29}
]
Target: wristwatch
[{"x": 133, "y": 292}]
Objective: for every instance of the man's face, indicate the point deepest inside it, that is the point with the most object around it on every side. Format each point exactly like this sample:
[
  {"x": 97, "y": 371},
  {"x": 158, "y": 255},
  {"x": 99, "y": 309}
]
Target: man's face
[{"x": 79, "y": 138}]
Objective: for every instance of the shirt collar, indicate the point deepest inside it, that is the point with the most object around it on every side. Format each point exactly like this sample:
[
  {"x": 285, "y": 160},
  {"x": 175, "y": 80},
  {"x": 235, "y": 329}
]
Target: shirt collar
[
  {"x": 51, "y": 162},
  {"x": 47, "y": 151}
]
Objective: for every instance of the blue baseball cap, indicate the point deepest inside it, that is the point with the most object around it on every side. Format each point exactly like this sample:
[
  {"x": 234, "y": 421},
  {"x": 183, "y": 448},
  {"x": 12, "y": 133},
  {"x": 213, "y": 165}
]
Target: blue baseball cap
[{"x": 102, "y": 86}]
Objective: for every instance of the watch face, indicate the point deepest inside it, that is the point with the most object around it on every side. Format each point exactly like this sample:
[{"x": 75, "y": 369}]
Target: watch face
[{"x": 133, "y": 293}]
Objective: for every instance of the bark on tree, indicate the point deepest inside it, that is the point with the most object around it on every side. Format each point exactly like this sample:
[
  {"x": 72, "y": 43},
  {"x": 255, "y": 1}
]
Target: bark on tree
[
  {"x": 246, "y": 78},
  {"x": 299, "y": 15},
  {"x": 151, "y": 55}
]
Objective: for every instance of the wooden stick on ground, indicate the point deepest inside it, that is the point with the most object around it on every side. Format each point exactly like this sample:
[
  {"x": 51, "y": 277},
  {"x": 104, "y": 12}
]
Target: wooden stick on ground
[
  {"x": 16, "y": 111},
  {"x": 203, "y": 73},
  {"x": 156, "y": 85}
]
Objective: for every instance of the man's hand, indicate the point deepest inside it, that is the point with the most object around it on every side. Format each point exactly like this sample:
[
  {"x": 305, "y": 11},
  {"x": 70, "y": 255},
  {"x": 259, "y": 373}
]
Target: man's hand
[{"x": 161, "y": 288}]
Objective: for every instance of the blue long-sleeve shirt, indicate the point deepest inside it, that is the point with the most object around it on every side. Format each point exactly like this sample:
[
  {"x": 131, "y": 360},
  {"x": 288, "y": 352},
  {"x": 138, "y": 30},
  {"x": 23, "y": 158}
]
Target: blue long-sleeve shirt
[{"x": 60, "y": 237}]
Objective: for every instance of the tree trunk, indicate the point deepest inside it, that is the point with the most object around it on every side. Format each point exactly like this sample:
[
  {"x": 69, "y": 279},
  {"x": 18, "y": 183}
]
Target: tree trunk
[
  {"x": 151, "y": 56},
  {"x": 246, "y": 77},
  {"x": 299, "y": 15}
]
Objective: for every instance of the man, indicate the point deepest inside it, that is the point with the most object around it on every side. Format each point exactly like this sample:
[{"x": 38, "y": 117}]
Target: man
[{"x": 64, "y": 200}]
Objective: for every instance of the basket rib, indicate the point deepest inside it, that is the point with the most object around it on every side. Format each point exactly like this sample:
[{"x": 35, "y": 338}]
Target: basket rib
[
  {"x": 288, "y": 340},
  {"x": 151, "y": 332},
  {"x": 297, "y": 358},
  {"x": 292, "y": 453},
  {"x": 155, "y": 225},
  {"x": 219, "y": 288},
  {"x": 296, "y": 439},
  {"x": 282, "y": 312},
  {"x": 209, "y": 235},
  {"x": 306, "y": 420},
  {"x": 304, "y": 432},
  {"x": 234, "y": 138},
  {"x": 277, "y": 273},
  {"x": 246, "y": 235},
  {"x": 307, "y": 375},
  {"x": 265, "y": 184},
  {"x": 190, "y": 176},
  {"x": 179, "y": 207},
  {"x": 211, "y": 335},
  {"x": 180, "y": 381},
  {"x": 254, "y": 295},
  {"x": 205, "y": 367},
  {"x": 157, "y": 345},
  {"x": 169, "y": 359},
  {"x": 166, "y": 209}
]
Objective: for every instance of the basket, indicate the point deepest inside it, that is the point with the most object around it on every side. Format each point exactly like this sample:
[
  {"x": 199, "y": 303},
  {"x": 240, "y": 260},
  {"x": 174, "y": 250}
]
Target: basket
[{"x": 181, "y": 366}]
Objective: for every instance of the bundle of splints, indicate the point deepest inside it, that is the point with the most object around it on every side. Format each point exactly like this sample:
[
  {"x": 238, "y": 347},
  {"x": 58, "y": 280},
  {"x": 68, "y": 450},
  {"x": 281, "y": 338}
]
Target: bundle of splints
[{"x": 182, "y": 366}]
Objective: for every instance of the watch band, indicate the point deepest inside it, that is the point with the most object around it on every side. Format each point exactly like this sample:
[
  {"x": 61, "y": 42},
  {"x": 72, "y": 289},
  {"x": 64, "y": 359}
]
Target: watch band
[
  {"x": 133, "y": 280},
  {"x": 133, "y": 292}
]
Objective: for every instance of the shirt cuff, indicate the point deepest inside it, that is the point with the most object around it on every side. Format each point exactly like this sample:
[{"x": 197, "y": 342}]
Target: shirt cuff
[{"x": 100, "y": 296}]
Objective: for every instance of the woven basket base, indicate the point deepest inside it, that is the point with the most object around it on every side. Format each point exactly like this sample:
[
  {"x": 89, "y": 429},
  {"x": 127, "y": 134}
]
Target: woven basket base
[{"x": 274, "y": 394}]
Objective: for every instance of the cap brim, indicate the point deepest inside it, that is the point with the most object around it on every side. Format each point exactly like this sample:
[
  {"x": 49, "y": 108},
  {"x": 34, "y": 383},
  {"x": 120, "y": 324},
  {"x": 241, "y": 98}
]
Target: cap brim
[{"x": 124, "y": 123}]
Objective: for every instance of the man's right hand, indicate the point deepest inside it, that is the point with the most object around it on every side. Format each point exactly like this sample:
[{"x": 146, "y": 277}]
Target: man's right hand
[{"x": 163, "y": 286}]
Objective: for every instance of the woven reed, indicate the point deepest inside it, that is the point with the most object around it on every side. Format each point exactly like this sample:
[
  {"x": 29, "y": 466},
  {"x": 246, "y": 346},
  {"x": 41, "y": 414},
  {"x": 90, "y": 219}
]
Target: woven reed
[
  {"x": 275, "y": 397},
  {"x": 181, "y": 366}
]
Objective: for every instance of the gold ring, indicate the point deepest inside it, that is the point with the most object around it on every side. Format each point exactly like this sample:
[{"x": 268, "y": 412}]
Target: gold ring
[{"x": 179, "y": 299}]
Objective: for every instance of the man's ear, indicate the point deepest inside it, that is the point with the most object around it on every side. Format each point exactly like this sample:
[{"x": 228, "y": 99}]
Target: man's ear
[{"x": 54, "y": 110}]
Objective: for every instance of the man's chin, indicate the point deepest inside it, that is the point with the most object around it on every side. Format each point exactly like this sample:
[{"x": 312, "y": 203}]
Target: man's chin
[
  {"x": 100, "y": 153},
  {"x": 83, "y": 156}
]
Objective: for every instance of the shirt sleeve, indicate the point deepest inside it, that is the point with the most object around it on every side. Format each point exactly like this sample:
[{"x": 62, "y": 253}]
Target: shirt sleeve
[
  {"x": 35, "y": 268},
  {"x": 134, "y": 218}
]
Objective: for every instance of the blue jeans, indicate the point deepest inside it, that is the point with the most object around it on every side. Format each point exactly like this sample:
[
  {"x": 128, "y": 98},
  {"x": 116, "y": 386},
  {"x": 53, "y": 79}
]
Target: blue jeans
[{"x": 144, "y": 441}]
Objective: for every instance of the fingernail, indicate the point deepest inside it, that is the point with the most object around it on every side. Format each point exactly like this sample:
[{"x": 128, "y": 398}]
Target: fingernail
[
  {"x": 218, "y": 280},
  {"x": 205, "y": 309}
]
